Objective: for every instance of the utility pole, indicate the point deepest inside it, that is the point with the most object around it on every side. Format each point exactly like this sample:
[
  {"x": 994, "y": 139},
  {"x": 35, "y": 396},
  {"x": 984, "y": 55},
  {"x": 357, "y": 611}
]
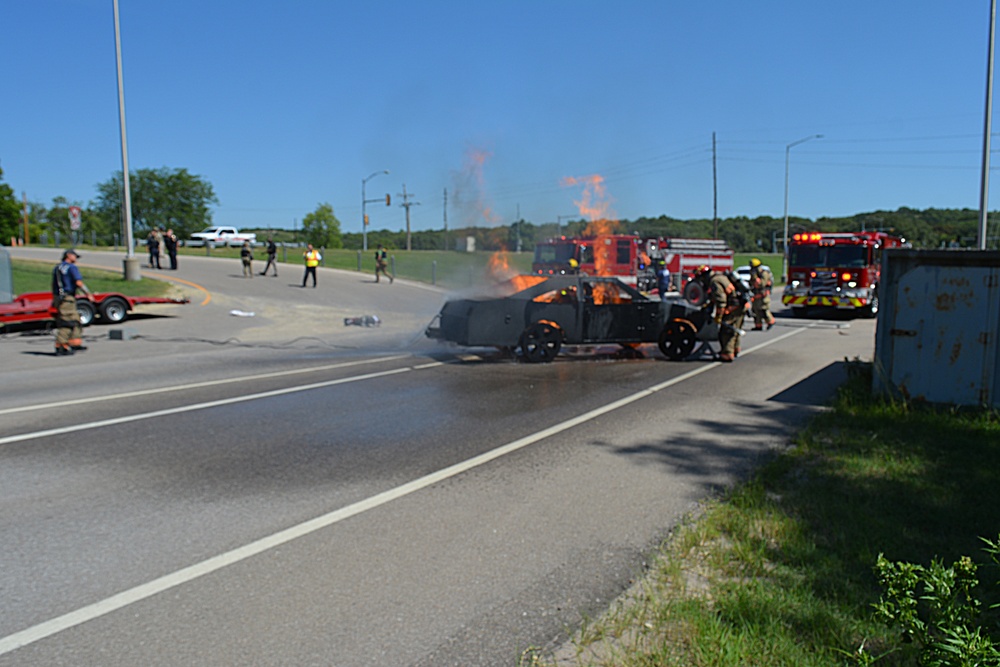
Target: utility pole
[
  {"x": 715, "y": 195},
  {"x": 407, "y": 204}
]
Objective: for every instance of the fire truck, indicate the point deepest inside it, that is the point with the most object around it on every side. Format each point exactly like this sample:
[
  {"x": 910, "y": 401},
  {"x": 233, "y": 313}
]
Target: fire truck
[
  {"x": 838, "y": 270},
  {"x": 630, "y": 258}
]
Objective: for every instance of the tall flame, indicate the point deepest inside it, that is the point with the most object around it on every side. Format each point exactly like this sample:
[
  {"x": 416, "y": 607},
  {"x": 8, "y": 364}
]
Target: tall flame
[{"x": 595, "y": 205}]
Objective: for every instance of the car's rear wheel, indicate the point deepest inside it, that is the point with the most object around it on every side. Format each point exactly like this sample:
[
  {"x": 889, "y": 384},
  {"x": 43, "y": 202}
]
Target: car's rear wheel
[
  {"x": 541, "y": 342},
  {"x": 86, "y": 310},
  {"x": 114, "y": 310},
  {"x": 677, "y": 339}
]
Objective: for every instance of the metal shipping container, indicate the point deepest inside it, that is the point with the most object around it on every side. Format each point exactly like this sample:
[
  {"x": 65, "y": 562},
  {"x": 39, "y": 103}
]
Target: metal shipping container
[{"x": 937, "y": 334}]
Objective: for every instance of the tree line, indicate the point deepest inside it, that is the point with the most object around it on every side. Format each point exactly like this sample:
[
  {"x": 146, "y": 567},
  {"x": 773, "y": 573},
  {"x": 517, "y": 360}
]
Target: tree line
[{"x": 176, "y": 199}]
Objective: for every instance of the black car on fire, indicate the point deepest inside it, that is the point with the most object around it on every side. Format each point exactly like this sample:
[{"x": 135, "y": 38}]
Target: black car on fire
[{"x": 539, "y": 315}]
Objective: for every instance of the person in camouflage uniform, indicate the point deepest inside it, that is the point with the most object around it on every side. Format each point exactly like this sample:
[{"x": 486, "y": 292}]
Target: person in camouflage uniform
[
  {"x": 761, "y": 281},
  {"x": 729, "y": 310}
]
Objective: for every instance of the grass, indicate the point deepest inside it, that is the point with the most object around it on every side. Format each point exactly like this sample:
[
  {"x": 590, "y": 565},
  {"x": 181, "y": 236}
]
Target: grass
[
  {"x": 780, "y": 570},
  {"x": 35, "y": 276}
]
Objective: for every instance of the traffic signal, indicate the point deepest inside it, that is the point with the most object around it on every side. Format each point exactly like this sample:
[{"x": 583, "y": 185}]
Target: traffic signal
[
  {"x": 366, "y": 219},
  {"x": 387, "y": 200}
]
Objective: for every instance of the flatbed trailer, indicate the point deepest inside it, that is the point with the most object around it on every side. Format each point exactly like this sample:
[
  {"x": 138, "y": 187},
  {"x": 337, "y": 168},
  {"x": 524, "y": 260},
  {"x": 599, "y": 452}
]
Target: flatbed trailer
[{"x": 111, "y": 307}]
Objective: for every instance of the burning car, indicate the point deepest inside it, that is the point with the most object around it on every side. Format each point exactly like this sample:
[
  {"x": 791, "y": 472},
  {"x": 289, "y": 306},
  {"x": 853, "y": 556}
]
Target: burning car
[{"x": 538, "y": 315}]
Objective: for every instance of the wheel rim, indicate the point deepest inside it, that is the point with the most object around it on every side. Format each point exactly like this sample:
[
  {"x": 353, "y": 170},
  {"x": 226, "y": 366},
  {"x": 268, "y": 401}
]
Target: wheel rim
[
  {"x": 677, "y": 340},
  {"x": 86, "y": 313},
  {"x": 114, "y": 310},
  {"x": 541, "y": 343}
]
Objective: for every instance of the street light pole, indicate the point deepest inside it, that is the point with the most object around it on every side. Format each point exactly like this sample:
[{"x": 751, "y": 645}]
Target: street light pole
[
  {"x": 131, "y": 263},
  {"x": 788, "y": 150},
  {"x": 364, "y": 218}
]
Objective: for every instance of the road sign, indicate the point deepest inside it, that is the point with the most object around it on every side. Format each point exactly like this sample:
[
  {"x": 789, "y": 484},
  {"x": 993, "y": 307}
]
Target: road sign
[{"x": 74, "y": 218}]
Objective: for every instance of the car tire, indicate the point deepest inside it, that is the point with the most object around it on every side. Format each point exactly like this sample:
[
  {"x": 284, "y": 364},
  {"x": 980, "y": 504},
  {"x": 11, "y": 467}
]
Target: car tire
[
  {"x": 86, "y": 310},
  {"x": 114, "y": 310},
  {"x": 677, "y": 339},
  {"x": 541, "y": 342}
]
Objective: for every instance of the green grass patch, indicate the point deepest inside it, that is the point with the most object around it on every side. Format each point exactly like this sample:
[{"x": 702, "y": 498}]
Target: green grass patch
[
  {"x": 781, "y": 571},
  {"x": 36, "y": 276},
  {"x": 442, "y": 267}
]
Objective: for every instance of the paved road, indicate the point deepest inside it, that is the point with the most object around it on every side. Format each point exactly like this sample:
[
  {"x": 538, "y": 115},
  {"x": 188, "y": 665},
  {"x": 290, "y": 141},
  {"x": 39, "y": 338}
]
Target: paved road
[{"x": 369, "y": 499}]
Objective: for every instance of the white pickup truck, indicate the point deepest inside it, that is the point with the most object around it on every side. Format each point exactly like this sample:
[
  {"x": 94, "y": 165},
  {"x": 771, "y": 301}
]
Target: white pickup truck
[{"x": 221, "y": 236}]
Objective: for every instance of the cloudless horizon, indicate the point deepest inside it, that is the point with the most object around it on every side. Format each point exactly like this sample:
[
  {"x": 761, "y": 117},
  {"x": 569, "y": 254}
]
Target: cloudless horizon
[{"x": 509, "y": 106}]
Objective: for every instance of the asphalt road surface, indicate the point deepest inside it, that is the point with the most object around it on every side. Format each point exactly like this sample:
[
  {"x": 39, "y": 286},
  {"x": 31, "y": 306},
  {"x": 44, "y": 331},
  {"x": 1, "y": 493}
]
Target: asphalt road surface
[{"x": 281, "y": 489}]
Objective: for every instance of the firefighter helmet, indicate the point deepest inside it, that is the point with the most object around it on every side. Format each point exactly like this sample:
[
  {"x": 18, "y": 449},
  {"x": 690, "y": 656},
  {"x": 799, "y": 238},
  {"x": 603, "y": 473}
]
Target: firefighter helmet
[
  {"x": 573, "y": 263},
  {"x": 755, "y": 262},
  {"x": 702, "y": 270}
]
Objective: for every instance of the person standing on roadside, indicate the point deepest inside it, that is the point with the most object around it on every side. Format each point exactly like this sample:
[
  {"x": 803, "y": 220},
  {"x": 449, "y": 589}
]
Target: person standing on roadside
[
  {"x": 170, "y": 244},
  {"x": 66, "y": 280},
  {"x": 312, "y": 259},
  {"x": 272, "y": 252},
  {"x": 246, "y": 256},
  {"x": 153, "y": 245}
]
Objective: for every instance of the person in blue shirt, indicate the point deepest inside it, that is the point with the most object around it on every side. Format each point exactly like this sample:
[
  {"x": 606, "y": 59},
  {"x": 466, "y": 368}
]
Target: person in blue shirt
[
  {"x": 66, "y": 280},
  {"x": 662, "y": 279}
]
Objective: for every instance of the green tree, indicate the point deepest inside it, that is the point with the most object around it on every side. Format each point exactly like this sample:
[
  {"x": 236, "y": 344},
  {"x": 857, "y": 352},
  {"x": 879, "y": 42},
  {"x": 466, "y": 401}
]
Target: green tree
[
  {"x": 170, "y": 198},
  {"x": 10, "y": 212},
  {"x": 321, "y": 227}
]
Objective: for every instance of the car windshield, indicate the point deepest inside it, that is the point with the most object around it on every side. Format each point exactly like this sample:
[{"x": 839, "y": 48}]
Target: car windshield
[
  {"x": 209, "y": 230},
  {"x": 815, "y": 256}
]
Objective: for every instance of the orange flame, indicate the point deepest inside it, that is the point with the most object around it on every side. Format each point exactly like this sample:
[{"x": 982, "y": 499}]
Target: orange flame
[
  {"x": 499, "y": 270},
  {"x": 595, "y": 204}
]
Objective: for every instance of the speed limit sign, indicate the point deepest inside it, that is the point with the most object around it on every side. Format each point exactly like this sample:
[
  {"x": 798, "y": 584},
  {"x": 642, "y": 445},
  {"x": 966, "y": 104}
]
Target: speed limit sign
[{"x": 74, "y": 218}]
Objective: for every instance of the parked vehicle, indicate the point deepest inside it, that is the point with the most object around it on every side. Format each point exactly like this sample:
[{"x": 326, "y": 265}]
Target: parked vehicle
[
  {"x": 111, "y": 307},
  {"x": 837, "y": 271},
  {"x": 221, "y": 236}
]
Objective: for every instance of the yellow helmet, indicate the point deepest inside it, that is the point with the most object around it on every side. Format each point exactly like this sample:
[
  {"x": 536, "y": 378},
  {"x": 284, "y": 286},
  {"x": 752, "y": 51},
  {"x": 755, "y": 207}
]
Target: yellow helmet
[
  {"x": 573, "y": 263},
  {"x": 755, "y": 262}
]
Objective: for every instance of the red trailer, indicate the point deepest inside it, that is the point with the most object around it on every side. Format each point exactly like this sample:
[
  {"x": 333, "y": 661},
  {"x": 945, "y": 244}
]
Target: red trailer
[{"x": 112, "y": 307}]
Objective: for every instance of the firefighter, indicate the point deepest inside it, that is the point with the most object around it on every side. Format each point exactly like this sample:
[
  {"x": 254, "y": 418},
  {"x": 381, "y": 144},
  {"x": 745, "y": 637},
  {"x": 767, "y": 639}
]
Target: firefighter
[
  {"x": 729, "y": 309},
  {"x": 761, "y": 282},
  {"x": 66, "y": 280}
]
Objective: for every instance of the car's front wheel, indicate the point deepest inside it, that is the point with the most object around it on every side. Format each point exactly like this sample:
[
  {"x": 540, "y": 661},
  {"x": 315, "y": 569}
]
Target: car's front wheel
[
  {"x": 541, "y": 342},
  {"x": 677, "y": 339}
]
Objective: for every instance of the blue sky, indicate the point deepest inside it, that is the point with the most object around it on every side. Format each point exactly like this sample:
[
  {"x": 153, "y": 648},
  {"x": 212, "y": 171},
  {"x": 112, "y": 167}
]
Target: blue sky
[{"x": 283, "y": 105}]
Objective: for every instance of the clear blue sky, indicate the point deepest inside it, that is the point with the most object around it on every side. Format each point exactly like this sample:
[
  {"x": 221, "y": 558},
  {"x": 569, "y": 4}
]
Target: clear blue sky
[{"x": 284, "y": 104}]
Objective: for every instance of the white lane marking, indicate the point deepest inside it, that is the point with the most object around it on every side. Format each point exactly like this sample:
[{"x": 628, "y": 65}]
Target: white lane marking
[
  {"x": 143, "y": 591},
  {"x": 198, "y": 385},
  {"x": 197, "y": 406}
]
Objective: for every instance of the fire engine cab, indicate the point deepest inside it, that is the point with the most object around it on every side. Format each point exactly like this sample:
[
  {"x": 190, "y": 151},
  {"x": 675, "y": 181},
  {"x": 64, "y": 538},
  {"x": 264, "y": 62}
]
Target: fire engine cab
[{"x": 838, "y": 270}]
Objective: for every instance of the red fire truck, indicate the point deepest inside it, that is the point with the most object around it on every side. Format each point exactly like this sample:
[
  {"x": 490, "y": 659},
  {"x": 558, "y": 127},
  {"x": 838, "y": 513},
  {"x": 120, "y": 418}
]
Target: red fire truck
[
  {"x": 630, "y": 258},
  {"x": 838, "y": 270}
]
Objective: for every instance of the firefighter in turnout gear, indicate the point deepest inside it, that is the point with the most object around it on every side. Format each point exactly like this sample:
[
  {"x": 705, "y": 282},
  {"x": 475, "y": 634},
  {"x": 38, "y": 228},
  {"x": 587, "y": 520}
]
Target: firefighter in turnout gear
[
  {"x": 66, "y": 280},
  {"x": 729, "y": 308},
  {"x": 761, "y": 281}
]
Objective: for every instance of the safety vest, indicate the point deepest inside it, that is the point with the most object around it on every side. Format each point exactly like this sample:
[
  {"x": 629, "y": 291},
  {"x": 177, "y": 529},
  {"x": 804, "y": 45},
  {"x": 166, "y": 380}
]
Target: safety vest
[{"x": 312, "y": 258}]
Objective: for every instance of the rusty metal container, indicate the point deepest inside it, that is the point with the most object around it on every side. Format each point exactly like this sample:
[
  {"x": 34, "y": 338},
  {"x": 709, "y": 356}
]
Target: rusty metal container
[{"x": 937, "y": 336}]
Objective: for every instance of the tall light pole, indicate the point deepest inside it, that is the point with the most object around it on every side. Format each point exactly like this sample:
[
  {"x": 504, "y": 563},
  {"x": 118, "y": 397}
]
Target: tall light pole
[
  {"x": 364, "y": 218},
  {"x": 788, "y": 150},
  {"x": 984, "y": 179},
  {"x": 131, "y": 264}
]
